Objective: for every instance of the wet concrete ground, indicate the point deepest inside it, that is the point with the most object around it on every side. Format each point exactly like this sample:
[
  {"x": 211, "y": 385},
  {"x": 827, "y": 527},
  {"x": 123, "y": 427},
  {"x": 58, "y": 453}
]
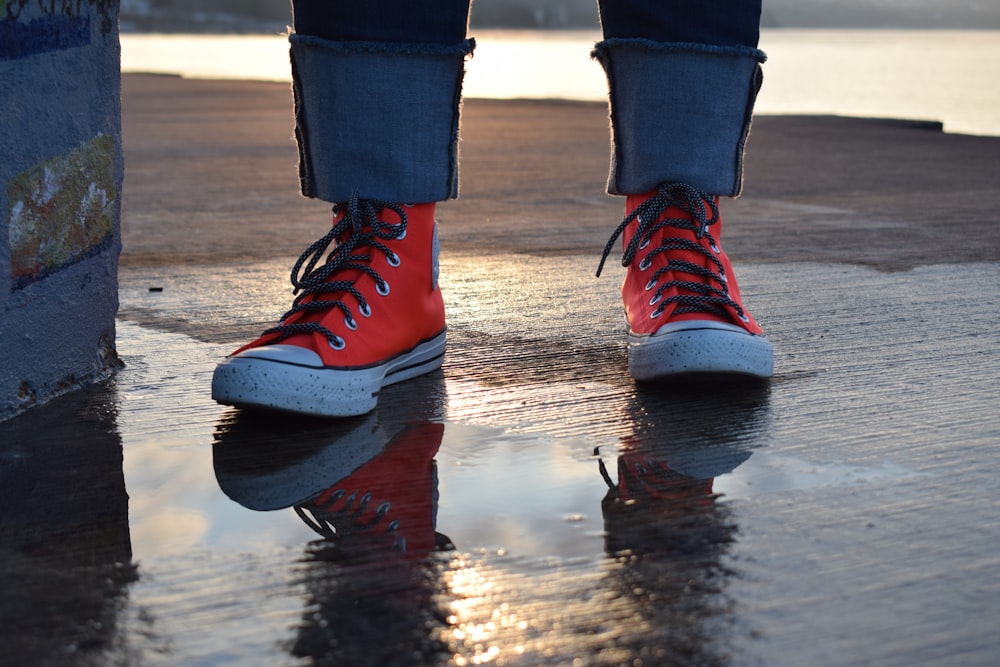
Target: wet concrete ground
[{"x": 550, "y": 511}]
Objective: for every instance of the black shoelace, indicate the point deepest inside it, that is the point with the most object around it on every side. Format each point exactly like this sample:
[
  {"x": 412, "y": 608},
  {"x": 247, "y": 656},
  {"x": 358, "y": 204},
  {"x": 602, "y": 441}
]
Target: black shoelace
[
  {"x": 702, "y": 295},
  {"x": 355, "y": 236},
  {"x": 337, "y": 520}
]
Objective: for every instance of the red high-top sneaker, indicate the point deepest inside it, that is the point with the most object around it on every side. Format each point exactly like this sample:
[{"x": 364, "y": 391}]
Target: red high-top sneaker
[
  {"x": 682, "y": 302},
  {"x": 367, "y": 316},
  {"x": 388, "y": 504}
]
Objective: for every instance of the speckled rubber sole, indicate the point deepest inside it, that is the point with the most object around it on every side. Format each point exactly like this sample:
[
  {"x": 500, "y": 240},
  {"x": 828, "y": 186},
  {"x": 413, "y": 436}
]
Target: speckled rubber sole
[
  {"x": 256, "y": 383},
  {"x": 699, "y": 348}
]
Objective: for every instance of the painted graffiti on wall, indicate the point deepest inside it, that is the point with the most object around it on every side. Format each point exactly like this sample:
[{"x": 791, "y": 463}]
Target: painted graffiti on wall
[
  {"x": 29, "y": 27},
  {"x": 62, "y": 211},
  {"x": 13, "y": 9}
]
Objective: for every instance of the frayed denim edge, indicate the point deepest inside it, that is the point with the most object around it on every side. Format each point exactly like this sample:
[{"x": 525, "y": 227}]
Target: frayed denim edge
[
  {"x": 316, "y": 186},
  {"x": 737, "y": 50},
  {"x": 463, "y": 48},
  {"x": 602, "y": 53}
]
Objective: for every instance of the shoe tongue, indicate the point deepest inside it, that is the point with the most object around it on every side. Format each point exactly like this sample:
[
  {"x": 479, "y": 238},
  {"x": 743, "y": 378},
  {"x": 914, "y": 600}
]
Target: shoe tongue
[
  {"x": 390, "y": 217},
  {"x": 692, "y": 230},
  {"x": 385, "y": 214},
  {"x": 671, "y": 212}
]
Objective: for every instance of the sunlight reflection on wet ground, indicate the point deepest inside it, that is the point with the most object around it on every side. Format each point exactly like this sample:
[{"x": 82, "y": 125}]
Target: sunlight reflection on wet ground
[
  {"x": 528, "y": 504},
  {"x": 549, "y": 510}
]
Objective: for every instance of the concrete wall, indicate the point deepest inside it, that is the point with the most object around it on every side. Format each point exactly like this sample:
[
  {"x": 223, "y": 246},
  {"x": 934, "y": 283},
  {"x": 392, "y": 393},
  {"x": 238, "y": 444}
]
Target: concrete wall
[{"x": 60, "y": 197}]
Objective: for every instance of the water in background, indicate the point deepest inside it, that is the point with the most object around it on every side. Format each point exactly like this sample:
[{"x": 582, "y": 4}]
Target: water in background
[{"x": 950, "y": 76}]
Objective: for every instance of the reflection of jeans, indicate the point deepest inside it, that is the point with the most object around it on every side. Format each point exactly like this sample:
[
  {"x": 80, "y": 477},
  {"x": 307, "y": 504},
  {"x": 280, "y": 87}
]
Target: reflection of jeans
[{"x": 378, "y": 86}]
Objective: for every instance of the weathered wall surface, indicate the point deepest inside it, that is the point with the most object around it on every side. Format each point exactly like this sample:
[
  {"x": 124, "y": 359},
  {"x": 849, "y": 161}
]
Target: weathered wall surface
[{"x": 60, "y": 197}]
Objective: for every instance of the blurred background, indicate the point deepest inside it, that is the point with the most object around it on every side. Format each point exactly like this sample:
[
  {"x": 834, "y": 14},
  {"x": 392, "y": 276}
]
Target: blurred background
[
  {"x": 272, "y": 15},
  {"x": 935, "y": 60}
]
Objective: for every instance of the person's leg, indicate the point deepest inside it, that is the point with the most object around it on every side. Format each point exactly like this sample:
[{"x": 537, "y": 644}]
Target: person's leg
[
  {"x": 382, "y": 21},
  {"x": 724, "y": 22},
  {"x": 683, "y": 77},
  {"x": 377, "y": 88}
]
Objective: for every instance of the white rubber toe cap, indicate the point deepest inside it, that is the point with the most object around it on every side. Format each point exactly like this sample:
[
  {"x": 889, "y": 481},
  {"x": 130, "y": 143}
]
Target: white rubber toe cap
[{"x": 285, "y": 354}]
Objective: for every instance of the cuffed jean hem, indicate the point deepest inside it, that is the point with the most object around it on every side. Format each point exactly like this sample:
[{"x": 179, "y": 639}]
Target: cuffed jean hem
[
  {"x": 378, "y": 119},
  {"x": 679, "y": 113}
]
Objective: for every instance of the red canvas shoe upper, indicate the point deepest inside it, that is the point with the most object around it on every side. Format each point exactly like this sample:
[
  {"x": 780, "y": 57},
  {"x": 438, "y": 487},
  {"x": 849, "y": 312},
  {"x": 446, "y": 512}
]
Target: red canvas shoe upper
[
  {"x": 676, "y": 269},
  {"x": 641, "y": 478},
  {"x": 387, "y": 502},
  {"x": 373, "y": 296}
]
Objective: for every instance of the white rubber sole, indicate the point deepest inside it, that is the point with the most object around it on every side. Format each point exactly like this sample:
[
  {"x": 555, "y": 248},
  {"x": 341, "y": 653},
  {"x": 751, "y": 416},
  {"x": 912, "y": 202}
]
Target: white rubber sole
[
  {"x": 262, "y": 382},
  {"x": 699, "y": 347}
]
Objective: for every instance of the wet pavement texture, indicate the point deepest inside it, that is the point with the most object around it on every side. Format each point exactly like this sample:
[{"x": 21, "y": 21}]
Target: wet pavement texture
[{"x": 529, "y": 504}]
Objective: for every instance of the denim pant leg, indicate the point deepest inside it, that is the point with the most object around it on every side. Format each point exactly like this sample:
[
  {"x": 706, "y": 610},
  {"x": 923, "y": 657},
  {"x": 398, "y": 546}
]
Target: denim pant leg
[
  {"x": 376, "y": 115},
  {"x": 682, "y": 94},
  {"x": 382, "y": 20},
  {"x": 720, "y": 22}
]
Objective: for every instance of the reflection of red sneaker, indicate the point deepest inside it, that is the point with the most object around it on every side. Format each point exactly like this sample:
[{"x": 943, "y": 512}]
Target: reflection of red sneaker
[
  {"x": 390, "y": 502},
  {"x": 640, "y": 478},
  {"x": 367, "y": 315},
  {"x": 681, "y": 299}
]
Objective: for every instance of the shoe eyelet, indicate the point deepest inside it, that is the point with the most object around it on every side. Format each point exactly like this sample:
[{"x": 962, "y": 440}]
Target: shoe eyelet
[
  {"x": 656, "y": 313},
  {"x": 645, "y": 264},
  {"x": 644, "y": 244},
  {"x": 401, "y": 235},
  {"x": 351, "y": 323},
  {"x": 337, "y": 343},
  {"x": 392, "y": 259},
  {"x": 651, "y": 284},
  {"x": 349, "y": 503},
  {"x": 743, "y": 318},
  {"x": 382, "y": 288},
  {"x": 365, "y": 310},
  {"x": 722, "y": 277},
  {"x": 656, "y": 299}
]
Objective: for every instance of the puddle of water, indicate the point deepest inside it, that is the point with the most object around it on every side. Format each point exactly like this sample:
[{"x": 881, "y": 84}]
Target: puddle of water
[
  {"x": 525, "y": 494},
  {"x": 547, "y": 540},
  {"x": 768, "y": 473}
]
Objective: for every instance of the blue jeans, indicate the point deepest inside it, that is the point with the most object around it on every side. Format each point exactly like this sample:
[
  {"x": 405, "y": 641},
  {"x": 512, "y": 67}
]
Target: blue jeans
[{"x": 378, "y": 87}]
